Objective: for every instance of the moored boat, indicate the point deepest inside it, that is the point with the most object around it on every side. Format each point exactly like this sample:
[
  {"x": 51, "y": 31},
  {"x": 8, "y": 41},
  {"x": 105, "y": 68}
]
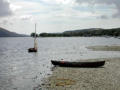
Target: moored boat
[
  {"x": 35, "y": 43},
  {"x": 78, "y": 64},
  {"x": 32, "y": 50}
]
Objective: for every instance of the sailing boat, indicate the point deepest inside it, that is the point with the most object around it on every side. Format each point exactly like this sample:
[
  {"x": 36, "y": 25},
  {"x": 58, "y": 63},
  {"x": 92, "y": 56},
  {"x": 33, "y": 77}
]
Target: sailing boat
[{"x": 35, "y": 43}]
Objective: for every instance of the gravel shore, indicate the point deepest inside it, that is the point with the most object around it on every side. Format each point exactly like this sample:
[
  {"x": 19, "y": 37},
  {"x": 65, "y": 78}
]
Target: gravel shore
[
  {"x": 104, "y": 48},
  {"x": 103, "y": 78}
]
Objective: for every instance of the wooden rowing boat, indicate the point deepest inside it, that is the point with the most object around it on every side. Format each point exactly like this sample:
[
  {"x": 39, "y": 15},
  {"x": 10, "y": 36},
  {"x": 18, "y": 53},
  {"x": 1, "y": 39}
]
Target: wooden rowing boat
[{"x": 78, "y": 64}]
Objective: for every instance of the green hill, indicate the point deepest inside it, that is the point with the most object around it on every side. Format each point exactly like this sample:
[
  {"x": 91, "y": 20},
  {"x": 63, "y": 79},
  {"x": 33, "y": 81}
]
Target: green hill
[
  {"x": 6, "y": 33},
  {"x": 85, "y": 32}
]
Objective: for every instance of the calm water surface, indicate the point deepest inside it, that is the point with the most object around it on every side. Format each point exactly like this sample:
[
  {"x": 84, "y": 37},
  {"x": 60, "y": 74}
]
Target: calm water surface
[{"x": 20, "y": 70}]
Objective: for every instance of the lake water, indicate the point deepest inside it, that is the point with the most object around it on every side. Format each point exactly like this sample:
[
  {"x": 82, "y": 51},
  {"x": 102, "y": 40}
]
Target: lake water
[{"x": 20, "y": 70}]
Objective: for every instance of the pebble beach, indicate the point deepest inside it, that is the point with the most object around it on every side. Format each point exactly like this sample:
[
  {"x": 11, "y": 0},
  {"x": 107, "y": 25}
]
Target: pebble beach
[{"x": 102, "y": 78}]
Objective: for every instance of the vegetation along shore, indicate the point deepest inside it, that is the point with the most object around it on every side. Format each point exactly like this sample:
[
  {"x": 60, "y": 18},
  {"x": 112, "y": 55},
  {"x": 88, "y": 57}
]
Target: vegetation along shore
[{"x": 83, "y": 32}]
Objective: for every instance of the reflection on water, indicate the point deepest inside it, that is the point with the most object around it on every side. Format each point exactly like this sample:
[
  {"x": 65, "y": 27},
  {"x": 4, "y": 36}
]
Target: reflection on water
[{"x": 23, "y": 71}]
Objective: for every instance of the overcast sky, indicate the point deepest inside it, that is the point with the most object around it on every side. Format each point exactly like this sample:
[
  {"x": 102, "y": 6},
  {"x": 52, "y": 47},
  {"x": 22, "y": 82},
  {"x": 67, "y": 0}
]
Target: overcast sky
[{"x": 58, "y": 15}]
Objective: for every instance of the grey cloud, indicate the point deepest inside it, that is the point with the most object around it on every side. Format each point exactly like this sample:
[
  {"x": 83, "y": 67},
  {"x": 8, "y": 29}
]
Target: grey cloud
[
  {"x": 104, "y": 17},
  {"x": 5, "y": 8},
  {"x": 107, "y": 2},
  {"x": 6, "y": 21}
]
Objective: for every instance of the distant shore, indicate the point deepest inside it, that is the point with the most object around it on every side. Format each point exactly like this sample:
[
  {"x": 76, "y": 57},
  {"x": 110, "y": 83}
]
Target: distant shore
[
  {"x": 104, "y": 78},
  {"x": 113, "y": 32}
]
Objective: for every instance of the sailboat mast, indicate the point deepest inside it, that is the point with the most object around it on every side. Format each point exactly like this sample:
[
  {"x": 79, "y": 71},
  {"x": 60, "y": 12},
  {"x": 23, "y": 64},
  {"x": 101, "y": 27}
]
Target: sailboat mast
[
  {"x": 35, "y": 42},
  {"x": 35, "y": 30}
]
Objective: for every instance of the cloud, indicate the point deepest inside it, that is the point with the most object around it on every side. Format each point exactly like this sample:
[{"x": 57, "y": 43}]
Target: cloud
[
  {"x": 106, "y": 8},
  {"x": 27, "y": 18},
  {"x": 106, "y": 2},
  {"x": 104, "y": 17},
  {"x": 6, "y": 21},
  {"x": 5, "y": 9},
  {"x": 59, "y": 1}
]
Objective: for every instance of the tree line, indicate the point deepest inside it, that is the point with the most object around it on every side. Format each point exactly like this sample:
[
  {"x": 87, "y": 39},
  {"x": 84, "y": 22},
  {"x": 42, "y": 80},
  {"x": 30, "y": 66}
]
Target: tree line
[{"x": 88, "y": 32}]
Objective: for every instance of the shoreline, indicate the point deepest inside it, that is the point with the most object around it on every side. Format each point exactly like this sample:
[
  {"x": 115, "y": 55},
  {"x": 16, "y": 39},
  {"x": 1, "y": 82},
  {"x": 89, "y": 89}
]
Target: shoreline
[
  {"x": 103, "y": 78},
  {"x": 104, "y": 48}
]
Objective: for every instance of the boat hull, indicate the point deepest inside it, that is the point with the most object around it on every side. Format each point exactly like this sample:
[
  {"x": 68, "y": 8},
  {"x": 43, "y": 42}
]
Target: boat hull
[
  {"x": 78, "y": 64},
  {"x": 32, "y": 50}
]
